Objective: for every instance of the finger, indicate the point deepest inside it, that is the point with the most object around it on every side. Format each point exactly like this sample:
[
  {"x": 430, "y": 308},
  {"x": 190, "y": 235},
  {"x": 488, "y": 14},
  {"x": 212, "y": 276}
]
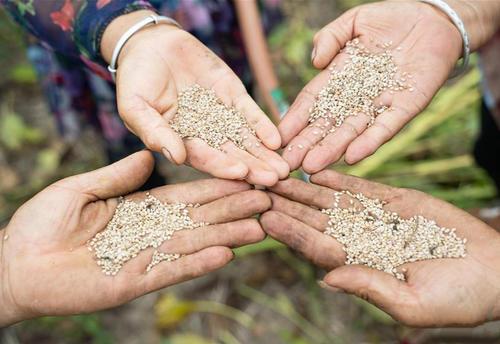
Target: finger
[
  {"x": 377, "y": 287},
  {"x": 232, "y": 234},
  {"x": 305, "y": 193},
  {"x": 210, "y": 160},
  {"x": 261, "y": 152},
  {"x": 317, "y": 247},
  {"x": 299, "y": 211},
  {"x": 333, "y": 146},
  {"x": 263, "y": 126},
  {"x": 386, "y": 125},
  {"x": 300, "y": 145},
  {"x": 259, "y": 172},
  {"x": 114, "y": 180},
  {"x": 185, "y": 268},
  {"x": 338, "y": 182},
  {"x": 199, "y": 191},
  {"x": 234, "y": 207},
  {"x": 297, "y": 117},
  {"x": 152, "y": 128},
  {"x": 332, "y": 38}
]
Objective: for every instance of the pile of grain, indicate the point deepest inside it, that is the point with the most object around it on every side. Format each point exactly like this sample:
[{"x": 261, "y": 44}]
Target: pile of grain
[
  {"x": 353, "y": 89},
  {"x": 136, "y": 227},
  {"x": 381, "y": 239},
  {"x": 200, "y": 114}
]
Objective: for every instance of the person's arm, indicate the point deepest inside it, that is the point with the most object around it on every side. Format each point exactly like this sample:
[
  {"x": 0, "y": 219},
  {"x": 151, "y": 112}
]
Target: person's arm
[
  {"x": 154, "y": 66},
  {"x": 425, "y": 44},
  {"x": 481, "y": 19},
  {"x": 160, "y": 61},
  {"x": 437, "y": 292},
  {"x": 8, "y": 313},
  {"x": 46, "y": 267},
  {"x": 72, "y": 27}
]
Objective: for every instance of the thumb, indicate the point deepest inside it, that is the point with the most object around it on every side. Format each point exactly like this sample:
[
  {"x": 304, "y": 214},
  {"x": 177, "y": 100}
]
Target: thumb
[
  {"x": 330, "y": 39},
  {"x": 114, "y": 180},
  {"x": 377, "y": 287},
  {"x": 153, "y": 129}
]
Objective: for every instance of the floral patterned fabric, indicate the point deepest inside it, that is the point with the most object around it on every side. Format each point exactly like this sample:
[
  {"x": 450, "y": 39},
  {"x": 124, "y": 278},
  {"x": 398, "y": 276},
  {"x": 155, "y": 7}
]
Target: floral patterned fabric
[{"x": 72, "y": 72}]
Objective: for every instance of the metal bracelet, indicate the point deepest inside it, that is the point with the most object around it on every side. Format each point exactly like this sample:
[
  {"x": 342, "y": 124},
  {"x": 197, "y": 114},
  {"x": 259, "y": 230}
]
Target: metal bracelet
[
  {"x": 152, "y": 19},
  {"x": 455, "y": 18}
]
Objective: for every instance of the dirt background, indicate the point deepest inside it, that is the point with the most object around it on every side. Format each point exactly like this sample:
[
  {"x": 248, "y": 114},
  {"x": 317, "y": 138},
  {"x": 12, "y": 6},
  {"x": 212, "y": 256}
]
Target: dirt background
[{"x": 268, "y": 294}]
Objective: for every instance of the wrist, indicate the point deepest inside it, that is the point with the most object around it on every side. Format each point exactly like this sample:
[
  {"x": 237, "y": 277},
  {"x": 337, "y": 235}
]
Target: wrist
[
  {"x": 437, "y": 15},
  {"x": 117, "y": 28},
  {"x": 8, "y": 312},
  {"x": 480, "y": 18}
]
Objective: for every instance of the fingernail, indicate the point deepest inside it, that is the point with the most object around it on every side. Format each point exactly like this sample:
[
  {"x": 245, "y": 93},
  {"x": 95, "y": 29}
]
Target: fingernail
[
  {"x": 313, "y": 54},
  {"x": 325, "y": 286},
  {"x": 167, "y": 154}
]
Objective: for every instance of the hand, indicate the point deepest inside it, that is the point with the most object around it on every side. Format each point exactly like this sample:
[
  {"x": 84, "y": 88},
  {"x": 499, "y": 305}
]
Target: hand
[
  {"x": 46, "y": 268},
  {"x": 430, "y": 47},
  {"x": 159, "y": 62},
  {"x": 441, "y": 292}
]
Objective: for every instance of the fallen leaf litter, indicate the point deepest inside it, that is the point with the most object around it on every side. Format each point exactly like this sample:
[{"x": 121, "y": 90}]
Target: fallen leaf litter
[
  {"x": 201, "y": 114},
  {"x": 353, "y": 89},
  {"x": 137, "y": 226},
  {"x": 381, "y": 239}
]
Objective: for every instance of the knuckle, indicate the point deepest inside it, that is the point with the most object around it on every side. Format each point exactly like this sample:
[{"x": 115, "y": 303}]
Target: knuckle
[
  {"x": 268, "y": 220},
  {"x": 255, "y": 231},
  {"x": 298, "y": 241},
  {"x": 259, "y": 199},
  {"x": 387, "y": 132}
]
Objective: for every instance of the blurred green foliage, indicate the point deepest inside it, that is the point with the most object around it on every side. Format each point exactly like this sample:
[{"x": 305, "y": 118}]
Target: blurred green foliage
[
  {"x": 15, "y": 133},
  {"x": 74, "y": 329},
  {"x": 23, "y": 73},
  {"x": 431, "y": 154}
]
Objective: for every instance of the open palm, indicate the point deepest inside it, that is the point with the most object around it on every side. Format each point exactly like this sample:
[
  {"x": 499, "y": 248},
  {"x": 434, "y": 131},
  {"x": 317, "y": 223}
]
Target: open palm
[
  {"x": 161, "y": 61},
  {"x": 47, "y": 269},
  {"x": 424, "y": 43},
  {"x": 441, "y": 292}
]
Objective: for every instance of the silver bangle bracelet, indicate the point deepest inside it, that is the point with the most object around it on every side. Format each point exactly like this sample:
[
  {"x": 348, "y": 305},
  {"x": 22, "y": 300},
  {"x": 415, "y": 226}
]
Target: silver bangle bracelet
[
  {"x": 152, "y": 19},
  {"x": 455, "y": 18}
]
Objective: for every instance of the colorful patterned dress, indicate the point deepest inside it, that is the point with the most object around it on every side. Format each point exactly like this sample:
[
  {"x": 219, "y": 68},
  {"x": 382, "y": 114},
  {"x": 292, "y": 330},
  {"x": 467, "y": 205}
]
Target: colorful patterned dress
[{"x": 73, "y": 74}]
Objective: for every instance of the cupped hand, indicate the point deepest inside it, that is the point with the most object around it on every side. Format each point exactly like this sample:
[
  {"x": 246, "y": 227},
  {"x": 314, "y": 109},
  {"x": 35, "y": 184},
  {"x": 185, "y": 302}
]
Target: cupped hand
[
  {"x": 425, "y": 44},
  {"x": 47, "y": 269},
  {"x": 159, "y": 62},
  {"x": 441, "y": 292}
]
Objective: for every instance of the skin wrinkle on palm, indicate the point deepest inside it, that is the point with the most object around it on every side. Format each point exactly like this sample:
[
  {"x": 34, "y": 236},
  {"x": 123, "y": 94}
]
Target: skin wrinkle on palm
[
  {"x": 63, "y": 233},
  {"x": 200, "y": 114},
  {"x": 383, "y": 240},
  {"x": 354, "y": 140},
  {"x": 425, "y": 298},
  {"x": 352, "y": 90},
  {"x": 331, "y": 279},
  {"x": 136, "y": 227},
  {"x": 147, "y": 101}
]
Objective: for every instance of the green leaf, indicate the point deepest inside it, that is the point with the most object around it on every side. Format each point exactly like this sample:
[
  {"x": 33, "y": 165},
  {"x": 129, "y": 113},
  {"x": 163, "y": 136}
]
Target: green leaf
[
  {"x": 23, "y": 74},
  {"x": 14, "y": 132},
  {"x": 171, "y": 311},
  {"x": 48, "y": 160},
  {"x": 186, "y": 338}
]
